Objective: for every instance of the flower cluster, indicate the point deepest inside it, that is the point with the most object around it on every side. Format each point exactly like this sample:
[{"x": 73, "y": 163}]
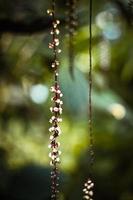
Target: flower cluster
[
  {"x": 55, "y": 131},
  {"x": 88, "y": 190},
  {"x": 54, "y": 32},
  {"x": 56, "y": 109}
]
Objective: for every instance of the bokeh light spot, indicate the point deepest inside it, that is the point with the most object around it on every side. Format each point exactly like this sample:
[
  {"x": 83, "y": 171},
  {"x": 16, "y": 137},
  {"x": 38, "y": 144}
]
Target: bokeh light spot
[
  {"x": 39, "y": 93},
  {"x": 117, "y": 110}
]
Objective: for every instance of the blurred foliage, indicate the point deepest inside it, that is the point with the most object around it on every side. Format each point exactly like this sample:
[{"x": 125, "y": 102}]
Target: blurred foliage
[{"x": 25, "y": 78}]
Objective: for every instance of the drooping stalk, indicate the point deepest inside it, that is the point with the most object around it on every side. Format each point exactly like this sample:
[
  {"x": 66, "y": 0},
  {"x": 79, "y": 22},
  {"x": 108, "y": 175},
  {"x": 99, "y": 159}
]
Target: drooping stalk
[
  {"x": 71, "y": 25},
  {"x": 56, "y": 109},
  {"x": 89, "y": 185}
]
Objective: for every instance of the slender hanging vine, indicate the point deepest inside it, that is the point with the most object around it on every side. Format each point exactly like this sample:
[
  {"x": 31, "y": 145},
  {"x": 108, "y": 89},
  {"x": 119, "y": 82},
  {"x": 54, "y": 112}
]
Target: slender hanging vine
[
  {"x": 130, "y": 4},
  {"x": 71, "y": 25},
  {"x": 89, "y": 185},
  {"x": 130, "y": 9},
  {"x": 56, "y": 109}
]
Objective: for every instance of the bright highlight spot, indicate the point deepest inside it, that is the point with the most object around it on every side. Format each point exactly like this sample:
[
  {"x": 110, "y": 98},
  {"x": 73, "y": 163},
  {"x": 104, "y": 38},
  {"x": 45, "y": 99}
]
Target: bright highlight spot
[
  {"x": 108, "y": 24},
  {"x": 39, "y": 93},
  {"x": 112, "y": 32},
  {"x": 117, "y": 110},
  {"x": 102, "y": 18},
  {"x": 105, "y": 54}
]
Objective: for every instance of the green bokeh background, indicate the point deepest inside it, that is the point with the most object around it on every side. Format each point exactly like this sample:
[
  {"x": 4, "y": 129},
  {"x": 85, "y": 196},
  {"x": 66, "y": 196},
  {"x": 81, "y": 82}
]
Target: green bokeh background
[{"x": 24, "y": 121}]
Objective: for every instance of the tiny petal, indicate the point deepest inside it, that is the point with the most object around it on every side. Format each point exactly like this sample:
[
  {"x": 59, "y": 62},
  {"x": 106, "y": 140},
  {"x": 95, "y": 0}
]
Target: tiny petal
[
  {"x": 56, "y": 109},
  {"x": 57, "y": 21},
  {"x": 51, "y": 137},
  {"x": 54, "y": 24},
  {"x": 57, "y": 31},
  {"x": 58, "y": 101},
  {"x": 92, "y": 185},
  {"x": 50, "y": 155},
  {"x": 51, "y": 129},
  {"x": 50, "y": 12},
  {"x": 52, "y": 89},
  {"x": 59, "y": 51},
  {"x": 51, "y": 46},
  {"x": 91, "y": 193},
  {"x": 57, "y": 62},
  {"x": 58, "y": 160},
  {"x": 60, "y": 110},
  {"x": 51, "y": 32},
  {"x": 61, "y": 95},
  {"x": 51, "y": 163},
  {"x": 58, "y": 92},
  {"x": 56, "y": 41},
  {"x": 59, "y": 119},
  {"x": 53, "y": 65},
  {"x": 51, "y": 109}
]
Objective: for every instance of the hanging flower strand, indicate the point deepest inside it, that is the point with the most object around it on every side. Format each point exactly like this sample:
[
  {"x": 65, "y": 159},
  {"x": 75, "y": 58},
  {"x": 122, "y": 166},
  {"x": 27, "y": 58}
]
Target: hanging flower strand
[
  {"x": 71, "y": 25},
  {"x": 88, "y": 190},
  {"x": 89, "y": 185},
  {"x": 56, "y": 110}
]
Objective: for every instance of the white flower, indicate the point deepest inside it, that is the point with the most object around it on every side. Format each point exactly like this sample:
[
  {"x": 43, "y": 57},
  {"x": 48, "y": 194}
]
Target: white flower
[
  {"x": 61, "y": 95},
  {"x": 57, "y": 31},
  {"x": 57, "y": 21},
  {"x": 51, "y": 109},
  {"x": 50, "y": 45},
  {"x": 58, "y": 160},
  {"x": 52, "y": 119},
  {"x": 56, "y": 41},
  {"x": 56, "y": 109},
  {"x": 51, "y": 163},
  {"x": 58, "y": 130},
  {"x": 51, "y": 129},
  {"x": 58, "y": 101},
  {"x": 60, "y": 110},
  {"x": 53, "y": 65},
  {"x": 58, "y": 91},
  {"x": 59, "y": 119},
  {"x": 57, "y": 62},
  {"x": 52, "y": 89},
  {"x": 58, "y": 50},
  {"x": 51, "y": 137},
  {"x": 49, "y": 12}
]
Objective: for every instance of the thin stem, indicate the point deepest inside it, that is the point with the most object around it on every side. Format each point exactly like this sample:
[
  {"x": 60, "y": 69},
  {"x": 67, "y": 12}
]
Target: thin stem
[
  {"x": 88, "y": 186},
  {"x": 71, "y": 26},
  {"x": 56, "y": 109},
  {"x": 90, "y": 85}
]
